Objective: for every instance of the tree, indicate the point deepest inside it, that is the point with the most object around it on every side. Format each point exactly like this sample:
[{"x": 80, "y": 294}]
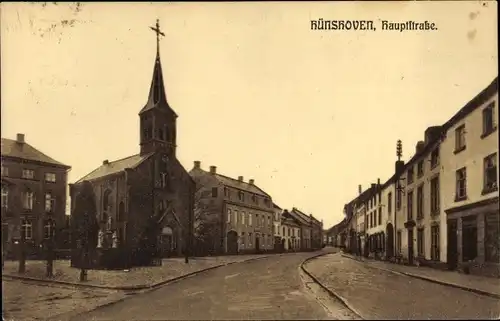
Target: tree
[
  {"x": 207, "y": 224},
  {"x": 84, "y": 225}
]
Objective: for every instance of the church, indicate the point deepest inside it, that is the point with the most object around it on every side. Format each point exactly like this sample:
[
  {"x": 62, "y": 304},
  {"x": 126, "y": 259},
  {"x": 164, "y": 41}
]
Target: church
[{"x": 151, "y": 184}]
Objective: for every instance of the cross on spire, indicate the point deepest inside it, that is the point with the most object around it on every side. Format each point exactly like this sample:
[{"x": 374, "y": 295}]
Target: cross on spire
[{"x": 158, "y": 34}]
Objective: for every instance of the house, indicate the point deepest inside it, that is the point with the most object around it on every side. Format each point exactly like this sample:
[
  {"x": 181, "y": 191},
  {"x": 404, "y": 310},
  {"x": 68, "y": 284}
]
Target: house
[
  {"x": 388, "y": 218},
  {"x": 277, "y": 235},
  {"x": 316, "y": 232},
  {"x": 469, "y": 197},
  {"x": 243, "y": 211},
  {"x": 150, "y": 184},
  {"x": 374, "y": 223},
  {"x": 33, "y": 197},
  {"x": 305, "y": 228},
  {"x": 291, "y": 232}
]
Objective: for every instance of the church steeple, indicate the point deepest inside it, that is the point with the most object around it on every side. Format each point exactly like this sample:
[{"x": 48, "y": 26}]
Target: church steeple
[{"x": 157, "y": 118}]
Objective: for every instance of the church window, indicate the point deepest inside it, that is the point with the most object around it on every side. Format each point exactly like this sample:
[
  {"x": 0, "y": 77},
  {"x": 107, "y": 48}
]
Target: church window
[{"x": 156, "y": 91}]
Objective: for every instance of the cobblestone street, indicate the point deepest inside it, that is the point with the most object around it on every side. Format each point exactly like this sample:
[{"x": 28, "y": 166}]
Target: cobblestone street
[{"x": 378, "y": 294}]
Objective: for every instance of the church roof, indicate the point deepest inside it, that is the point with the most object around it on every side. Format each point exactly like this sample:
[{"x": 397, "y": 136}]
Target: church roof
[
  {"x": 157, "y": 97},
  {"x": 25, "y": 151},
  {"x": 115, "y": 167}
]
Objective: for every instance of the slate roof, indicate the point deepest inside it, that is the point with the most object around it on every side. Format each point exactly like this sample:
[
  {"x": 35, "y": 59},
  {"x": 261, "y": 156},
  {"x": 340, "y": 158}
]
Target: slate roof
[
  {"x": 299, "y": 215},
  {"x": 115, "y": 167},
  {"x": 234, "y": 183},
  {"x": 12, "y": 148}
]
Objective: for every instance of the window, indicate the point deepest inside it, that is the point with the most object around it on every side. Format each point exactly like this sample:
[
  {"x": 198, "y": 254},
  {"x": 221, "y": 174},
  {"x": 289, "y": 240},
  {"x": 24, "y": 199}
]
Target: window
[
  {"x": 461, "y": 184},
  {"x": 389, "y": 203},
  {"x": 420, "y": 168},
  {"x": 409, "y": 175},
  {"x": 266, "y": 202},
  {"x": 163, "y": 179},
  {"x": 488, "y": 119},
  {"x": 435, "y": 195},
  {"x": 254, "y": 198},
  {"x": 228, "y": 215},
  {"x": 48, "y": 229},
  {"x": 420, "y": 202},
  {"x": 241, "y": 196},
  {"x": 5, "y": 171},
  {"x": 460, "y": 138},
  {"x": 379, "y": 216},
  {"x": 490, "y": 173},
  {"x": 398, "y": 198},
  {"x": 284, "y": 231},
  {"x": 492, "y": 238},
  {"x": 242, "y": 217},
  {"x": 420, "y": 242},
  {"x": 226, "y": 192},
  {"x": 250, "y": 239},
  {"x": 374, "y": 201},
  {"x": 49, "y": 203},
  {"x": 435, "y": 242},
  {"x": 28, "y": 200},
  {"x": 250, "y": 219},
  {"x": 435, "y": 157},
  {"x": 399, "y": 242},
  {"x": 5, "y": 197},
  {"x": 242, "y": 239},
  {"x": 214, "y": 191},
  {"x": 28, "y": 174},
  {"x": 26, "y": 230},
  {"x": 235, "y": 217},
  {"x": 409, "y": 203},
  {"x": 50, "y": 177}
]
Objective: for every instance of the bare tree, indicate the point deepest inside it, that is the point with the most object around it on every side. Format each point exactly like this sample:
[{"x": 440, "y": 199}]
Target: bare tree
[{"x": 207, "y": 224}]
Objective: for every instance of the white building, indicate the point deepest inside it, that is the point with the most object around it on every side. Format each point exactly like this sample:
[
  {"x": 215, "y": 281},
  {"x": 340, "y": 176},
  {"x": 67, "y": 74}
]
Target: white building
[
  {"x": 277, "y": 231},
  {"x": 469, "y": 176}
]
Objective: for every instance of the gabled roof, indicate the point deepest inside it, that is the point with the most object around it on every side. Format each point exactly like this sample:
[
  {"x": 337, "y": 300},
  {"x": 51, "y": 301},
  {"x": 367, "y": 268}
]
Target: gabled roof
[
  {"x": 290, "y": 218},
  {"x": 304, "y": 218},
  {"x": 25, "y": 151},
  {"x": 115, "y": 167}
]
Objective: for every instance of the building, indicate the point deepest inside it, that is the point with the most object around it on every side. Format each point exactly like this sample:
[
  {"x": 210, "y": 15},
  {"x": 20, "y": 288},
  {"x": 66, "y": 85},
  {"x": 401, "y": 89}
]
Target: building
[
  {"x": 375, "y": 223},
  {"x": 291, "y": 231},
  {"x": 152, "y": 183},
  {"x": 469, "y": 176},
  {"x": 244, "y": 212},
  {"x": 316, "y": 232},
  {"x": 277, "y": 235},
  {"x": 388, "y": 217},
  {"x": 33, "y": 197},
  {"x": 305, "y": 228},
  {"x": 419, "y": 223},
  {"x": 334, "y": 236}
]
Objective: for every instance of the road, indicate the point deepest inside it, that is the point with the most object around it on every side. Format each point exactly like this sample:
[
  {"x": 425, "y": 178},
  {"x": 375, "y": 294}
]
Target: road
[
  {"x": 270, "y": 288},
  {"x": 378, "y": 294}
]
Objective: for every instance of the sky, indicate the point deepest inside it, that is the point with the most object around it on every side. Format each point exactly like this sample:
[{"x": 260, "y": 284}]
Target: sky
[{"x": 308, "y": 114}]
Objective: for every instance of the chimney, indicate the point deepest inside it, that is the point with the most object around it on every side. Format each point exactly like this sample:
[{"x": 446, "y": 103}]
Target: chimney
[
  {"x": 378, "y": 181},
  {"x": 360, "y": 190},
  {"x": 419, "y": 147},
  {"x": 20, "y": 138},
  {"x": 431, "y": 134},
  {"x": 213, "y": 169},
  {"x": 105, "y": 162},
  {"x": 251, "y": 181},
  {"x": 240, "y": 178},
  {"x": 197, "y": 164}
]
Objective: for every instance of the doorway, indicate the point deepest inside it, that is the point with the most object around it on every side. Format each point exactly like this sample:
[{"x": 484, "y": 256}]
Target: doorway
[
  {"x": 410, "y": 246},
  {"x": 452, "y": 246},
  {"x": 232, "y": 242}
]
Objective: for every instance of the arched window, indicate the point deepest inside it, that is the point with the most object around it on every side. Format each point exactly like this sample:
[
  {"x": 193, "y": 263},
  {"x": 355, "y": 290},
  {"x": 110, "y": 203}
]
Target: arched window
[
  {"x": 106, "y": 202},
  {"x": 121, "y": 212},
  {"x": 48, "y": 229},
  {"x": 26, "y": 229},
  {"x": 49, "y": 203}
]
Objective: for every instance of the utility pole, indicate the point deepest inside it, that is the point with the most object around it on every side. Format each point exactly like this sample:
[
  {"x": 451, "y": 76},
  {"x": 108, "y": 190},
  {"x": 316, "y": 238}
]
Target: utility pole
[{"x": 399, "y": 188}]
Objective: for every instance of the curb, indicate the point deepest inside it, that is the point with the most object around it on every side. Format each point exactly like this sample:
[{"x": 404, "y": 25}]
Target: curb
[
  {"x": 121, "y": 288},
  {"x": 428, "y": 279},
  {"x": 329, "y": 291}
]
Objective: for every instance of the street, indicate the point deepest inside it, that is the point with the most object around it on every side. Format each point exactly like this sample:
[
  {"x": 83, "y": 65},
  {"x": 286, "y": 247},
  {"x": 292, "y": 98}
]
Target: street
[
  {"x": 272, "y": 288},
  {"x": 264, "y": 289}
]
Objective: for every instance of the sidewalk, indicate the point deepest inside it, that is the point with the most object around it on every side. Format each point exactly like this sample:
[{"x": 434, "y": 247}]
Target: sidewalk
[
  {"x": 481, "y": 285},
  {"x": 134, "y": 279}
]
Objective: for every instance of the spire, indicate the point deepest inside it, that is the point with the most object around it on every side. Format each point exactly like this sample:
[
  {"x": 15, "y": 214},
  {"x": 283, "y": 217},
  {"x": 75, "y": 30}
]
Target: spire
[{"x": 157, "y": 97}]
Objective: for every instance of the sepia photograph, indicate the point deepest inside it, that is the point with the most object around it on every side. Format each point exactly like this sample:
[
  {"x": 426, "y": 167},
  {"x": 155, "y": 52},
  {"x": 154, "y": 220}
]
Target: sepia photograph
[{"x": 250, "y": 160}]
